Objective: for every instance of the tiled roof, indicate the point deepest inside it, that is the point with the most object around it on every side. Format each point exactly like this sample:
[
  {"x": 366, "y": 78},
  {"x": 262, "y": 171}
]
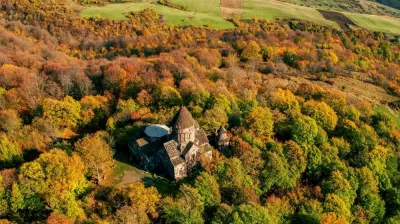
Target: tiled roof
[
  {"x": 172, "y": 149},
  {"x": 206, "y": 148},
  {"x": 141, "y": 142},
  {"x": 201, "y": 137},
  {"x": 187, "y": 148},
  {"x": 177, "y": 160}
]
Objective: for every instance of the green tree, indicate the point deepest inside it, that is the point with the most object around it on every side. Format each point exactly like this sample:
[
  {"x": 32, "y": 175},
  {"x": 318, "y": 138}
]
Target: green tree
[
  {"x": 340, "y": 186},
  {"x": 383, "y": 124},
  {"x": 222, "y": 215},
  {"x": 321, "y": 138},
  {"x": 250, "y": 213},
  {"x": 167, "y": 97},
  {"x": 275, "y": 172},
  {"x": 128, "y": 105},
  {"x": 279, "y": 208},
  {"x": 208, "y": 188},
  {"x": 314, "y": 162},
  {"x": 10, "y": 153},
  {"x": 310, "y": 211},
  {"x": 330, "y": 159},
  {"x": 304, "y": 130},
  {"x": 368, "y": 182},
  {"x": 16, "y": 199},
  {"x": 362, "y": 137},
  {"x": 284, "y": 100},
  {"x": 187, "y": 208},
  {"x": 59, "y": 178},
  {"x": 213, "y": 119},
  {"x": 260, "y": 122},
  {"x": 322, "y": 113},
  {"x": 342, "y": 145},
  {"x": 236, "y": 187},
  {"x": 296, "y": 160},
  {"x": 375, "y": 207},
  {"x": 334, "y": 203},
  {"x": 252, "y": 161},
  {"x": 3, "y": 199},
  {"x": 291, "y": 58}
]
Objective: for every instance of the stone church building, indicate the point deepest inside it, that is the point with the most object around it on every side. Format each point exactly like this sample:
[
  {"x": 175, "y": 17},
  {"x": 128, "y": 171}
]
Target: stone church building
[{"x": 175, "y": 150}]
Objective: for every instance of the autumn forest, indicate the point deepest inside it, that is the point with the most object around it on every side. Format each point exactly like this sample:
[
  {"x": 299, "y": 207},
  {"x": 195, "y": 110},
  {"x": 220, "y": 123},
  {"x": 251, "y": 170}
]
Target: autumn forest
[{"x": 311, "y": 112}]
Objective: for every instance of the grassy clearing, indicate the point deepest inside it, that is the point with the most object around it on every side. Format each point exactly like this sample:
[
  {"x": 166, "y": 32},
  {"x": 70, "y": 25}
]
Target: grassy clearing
[
  {"x": 391, "y": 113},
  {"x": 376, "y": 23},
  {"x": 122, "y": 166},
  {"x": 171, "y": 15},
  {"x": 270, "y": 10},
  {"x": 126, "y": 173},
  {"x": 210, "y": 7}
]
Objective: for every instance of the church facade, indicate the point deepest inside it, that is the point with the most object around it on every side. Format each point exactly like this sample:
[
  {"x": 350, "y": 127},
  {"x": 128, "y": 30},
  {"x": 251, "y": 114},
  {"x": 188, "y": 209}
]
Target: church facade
[{"x": 176, "y": 150}]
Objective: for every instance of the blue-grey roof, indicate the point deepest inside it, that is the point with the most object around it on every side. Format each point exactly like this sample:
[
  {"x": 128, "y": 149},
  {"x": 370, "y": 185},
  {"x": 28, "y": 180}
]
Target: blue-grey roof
[{"x": 156, "y": 130}]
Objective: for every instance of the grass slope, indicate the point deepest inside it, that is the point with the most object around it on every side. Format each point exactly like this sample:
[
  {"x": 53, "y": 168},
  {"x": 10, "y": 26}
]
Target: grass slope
[
  {"x": 270, "y": 10},
  {"x": 207, "y": 12},
  {"x": 171, "y": 15},
  {"x": 376, "y": 23},
  {"x": 204, "y": 6},
  {"x": 354, "y": 6}
]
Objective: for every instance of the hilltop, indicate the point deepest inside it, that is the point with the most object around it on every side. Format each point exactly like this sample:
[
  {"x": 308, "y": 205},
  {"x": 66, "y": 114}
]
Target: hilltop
[{"x": 214, "y": 13}]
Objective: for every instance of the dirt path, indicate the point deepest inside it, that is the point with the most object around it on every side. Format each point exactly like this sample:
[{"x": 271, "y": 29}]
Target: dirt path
[
  {"x": 131, "y": 176},
  {"x": 231, "y": 9}
]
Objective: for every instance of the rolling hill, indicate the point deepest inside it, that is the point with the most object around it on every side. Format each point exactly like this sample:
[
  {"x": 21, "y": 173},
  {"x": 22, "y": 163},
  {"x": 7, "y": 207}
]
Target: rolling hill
[{"x": 213, "y": 13}]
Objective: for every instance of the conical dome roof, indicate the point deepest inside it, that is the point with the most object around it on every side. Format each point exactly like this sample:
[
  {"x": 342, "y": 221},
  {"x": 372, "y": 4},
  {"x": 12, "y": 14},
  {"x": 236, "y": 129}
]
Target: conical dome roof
[
  {"x": 184, "y": 119},
  {"x": 222, "y": 130}
]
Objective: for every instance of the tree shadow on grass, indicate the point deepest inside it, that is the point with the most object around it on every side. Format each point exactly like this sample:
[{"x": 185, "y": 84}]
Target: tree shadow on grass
[
  {"x": 155, "y": 179},
  {"x": 164, "y": 186}
]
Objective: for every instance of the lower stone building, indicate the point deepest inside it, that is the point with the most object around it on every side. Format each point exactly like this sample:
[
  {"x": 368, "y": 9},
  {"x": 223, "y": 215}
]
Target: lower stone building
[{"x": 176, "y": 150}]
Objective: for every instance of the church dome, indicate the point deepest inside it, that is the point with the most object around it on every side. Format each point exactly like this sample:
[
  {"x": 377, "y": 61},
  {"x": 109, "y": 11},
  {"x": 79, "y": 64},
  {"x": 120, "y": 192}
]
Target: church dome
[
  {"x": 222, "y": 130},
  {"x": 184, "y": 119}
]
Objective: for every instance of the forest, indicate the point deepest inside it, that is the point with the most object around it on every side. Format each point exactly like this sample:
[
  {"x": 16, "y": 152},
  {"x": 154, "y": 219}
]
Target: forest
[{"x": 311, "y": 112}]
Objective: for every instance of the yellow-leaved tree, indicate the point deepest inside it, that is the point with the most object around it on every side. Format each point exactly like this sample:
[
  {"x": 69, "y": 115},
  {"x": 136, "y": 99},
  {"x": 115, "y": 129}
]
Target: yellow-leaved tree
[{"x": 96, "y": 153}]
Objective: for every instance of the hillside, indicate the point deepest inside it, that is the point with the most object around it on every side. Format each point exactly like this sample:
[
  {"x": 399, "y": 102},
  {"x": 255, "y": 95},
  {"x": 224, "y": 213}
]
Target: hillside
[
  {"x": 353, "y": 6},
  {"x": 146, "y": 118},
  {"x": 213, "y": 13}
]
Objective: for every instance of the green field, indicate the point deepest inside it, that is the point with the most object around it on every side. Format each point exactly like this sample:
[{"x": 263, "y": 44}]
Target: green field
[
  {"x": 354, "y": 6},
  {"x": 270, "y": 10},
  {"x": 203, "y": 6},
  {"x": 376, "y": 23},
  {"x": 171, "y": 15},
  {"x": 207, "y": 12}
]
